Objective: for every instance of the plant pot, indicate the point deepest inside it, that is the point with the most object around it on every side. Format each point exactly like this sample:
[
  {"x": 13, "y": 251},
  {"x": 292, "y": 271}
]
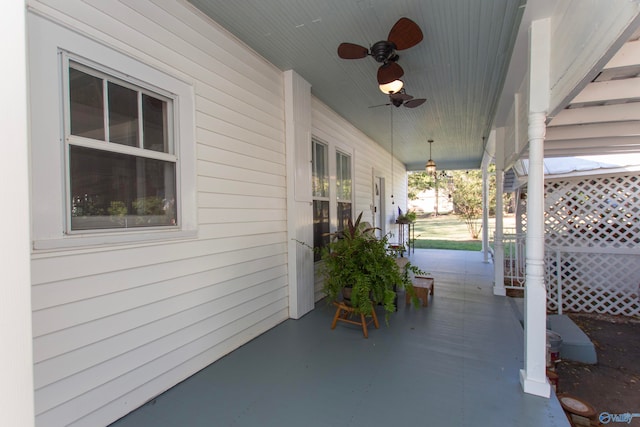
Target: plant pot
[{"x": 346, "y": 295}]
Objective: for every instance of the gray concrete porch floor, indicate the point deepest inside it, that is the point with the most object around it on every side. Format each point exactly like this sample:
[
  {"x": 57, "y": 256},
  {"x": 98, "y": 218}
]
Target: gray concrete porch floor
[{"x": 454, "y": 363}]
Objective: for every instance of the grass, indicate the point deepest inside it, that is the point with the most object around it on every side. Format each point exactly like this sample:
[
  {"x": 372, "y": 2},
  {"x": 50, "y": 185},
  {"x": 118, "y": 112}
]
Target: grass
[
  {"x": 458, "y": 245},
  {"x": 449, "y": 232}
]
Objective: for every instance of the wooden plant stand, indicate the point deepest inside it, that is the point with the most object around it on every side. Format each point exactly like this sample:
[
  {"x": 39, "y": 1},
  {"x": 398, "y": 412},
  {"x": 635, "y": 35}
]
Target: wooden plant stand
[
  {"x": 423, "y": 287},
  {"x": 344, "y": 313}
]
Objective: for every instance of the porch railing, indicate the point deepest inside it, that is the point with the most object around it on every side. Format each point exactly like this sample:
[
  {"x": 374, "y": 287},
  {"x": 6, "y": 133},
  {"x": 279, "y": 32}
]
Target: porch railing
[{"x": 514, "y": 258}]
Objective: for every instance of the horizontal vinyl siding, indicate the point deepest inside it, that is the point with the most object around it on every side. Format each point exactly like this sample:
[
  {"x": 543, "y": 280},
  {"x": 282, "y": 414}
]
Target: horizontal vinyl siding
[{"x": 115, "y": 326}]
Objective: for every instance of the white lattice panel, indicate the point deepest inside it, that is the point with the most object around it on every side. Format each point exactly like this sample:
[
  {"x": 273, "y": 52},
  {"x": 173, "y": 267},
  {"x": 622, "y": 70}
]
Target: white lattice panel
[
  {"x": 595, "y": 223},
  {"x": 600, "y": 211},
  {"x": 594, "y": 282}
]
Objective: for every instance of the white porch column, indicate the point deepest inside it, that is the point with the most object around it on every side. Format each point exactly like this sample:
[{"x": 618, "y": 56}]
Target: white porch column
[
  {"x": 498, "y": 245},
  {"x": 533, "y": 377},
  {"x": 16, "y": 360},
  {"x": 485, "y": 211}
]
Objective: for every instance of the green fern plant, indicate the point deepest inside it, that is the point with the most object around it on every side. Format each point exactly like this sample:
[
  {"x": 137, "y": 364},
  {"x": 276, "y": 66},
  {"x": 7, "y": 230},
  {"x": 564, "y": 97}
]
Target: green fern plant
[{"x": 355, "y": 259}]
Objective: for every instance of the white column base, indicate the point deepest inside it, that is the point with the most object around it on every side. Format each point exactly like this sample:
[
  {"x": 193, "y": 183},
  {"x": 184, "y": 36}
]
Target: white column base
[
  {"x": 535, "y": 387},
  {"x": 499, "y": 290}
]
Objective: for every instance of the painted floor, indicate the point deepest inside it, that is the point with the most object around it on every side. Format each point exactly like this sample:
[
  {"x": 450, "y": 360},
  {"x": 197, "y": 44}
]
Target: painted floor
[{"x": 453, "y": 363}]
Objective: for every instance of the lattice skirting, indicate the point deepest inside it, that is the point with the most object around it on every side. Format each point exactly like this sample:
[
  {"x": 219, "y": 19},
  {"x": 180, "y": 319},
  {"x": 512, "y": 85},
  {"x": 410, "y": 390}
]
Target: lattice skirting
[
  {"x": 592, "y": 236},
  {"x": 595, "y": 283}
]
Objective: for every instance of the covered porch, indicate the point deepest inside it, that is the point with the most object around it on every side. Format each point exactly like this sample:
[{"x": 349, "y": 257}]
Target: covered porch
[{"x": 452, "y": 363}]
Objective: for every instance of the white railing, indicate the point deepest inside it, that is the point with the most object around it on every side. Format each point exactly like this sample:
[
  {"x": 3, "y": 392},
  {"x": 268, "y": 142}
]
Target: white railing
[{"x": 514, "y": 258}]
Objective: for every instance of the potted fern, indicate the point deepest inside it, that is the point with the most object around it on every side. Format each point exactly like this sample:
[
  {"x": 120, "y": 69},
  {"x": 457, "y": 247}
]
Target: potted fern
[
  {"x": 406, "y": 218},
  {"x": 360, "y": 265}
]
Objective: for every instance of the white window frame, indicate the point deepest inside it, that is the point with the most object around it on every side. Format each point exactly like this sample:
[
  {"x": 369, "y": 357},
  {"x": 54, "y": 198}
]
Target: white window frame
[
  {"x": 111, "y": 147},
  {"x": 332, "y": 149},
  {"x": 338, "y": 193},
  {"x": 48, "y": 146}
]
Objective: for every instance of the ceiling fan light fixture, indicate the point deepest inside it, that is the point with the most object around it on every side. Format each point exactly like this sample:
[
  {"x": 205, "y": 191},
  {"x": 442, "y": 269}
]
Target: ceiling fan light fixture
[
  {"x": 430, "y": 167},
  {"x": 392, "y": 87}
]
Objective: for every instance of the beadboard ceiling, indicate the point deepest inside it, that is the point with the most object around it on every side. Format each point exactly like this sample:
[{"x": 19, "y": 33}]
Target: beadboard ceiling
[{"x": 460, "y": 67}]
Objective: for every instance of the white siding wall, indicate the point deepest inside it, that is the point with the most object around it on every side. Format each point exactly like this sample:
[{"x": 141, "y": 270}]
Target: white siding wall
[{"x": 114, "y": 326}]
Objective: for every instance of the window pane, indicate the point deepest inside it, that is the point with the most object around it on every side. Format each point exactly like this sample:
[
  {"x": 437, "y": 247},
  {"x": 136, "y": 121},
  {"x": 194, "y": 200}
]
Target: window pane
[
  {"x": 111, "y": 190},
  {"x": 343, "y": 177},
  {"x": 123, "y": 115},
  {"x": 154, "y": 124},
  {"x": 320, "y": 226},
  {"x": 344, "y": 213},
  {"x": 320, "y": 180},
  {"x": 86, "y": 105}
]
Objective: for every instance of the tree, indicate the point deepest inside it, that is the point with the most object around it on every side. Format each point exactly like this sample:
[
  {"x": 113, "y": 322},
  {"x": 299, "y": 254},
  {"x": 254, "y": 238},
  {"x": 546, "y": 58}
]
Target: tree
[
  {"x": 422, "y": 181},
  {"x": 465, "y": 189},
  {"x": 467, "y": 199},
  {"x": 418, "y": 182}
]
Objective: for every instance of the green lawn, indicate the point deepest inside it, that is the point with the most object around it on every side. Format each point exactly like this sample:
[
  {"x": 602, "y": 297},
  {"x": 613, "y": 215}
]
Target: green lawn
[
  {"x": 459, "y": 245},
  {"x": 450, "y": 232}
]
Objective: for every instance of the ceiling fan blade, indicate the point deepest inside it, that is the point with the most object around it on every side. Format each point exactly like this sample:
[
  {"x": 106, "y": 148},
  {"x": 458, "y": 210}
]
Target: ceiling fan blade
[
  {"x": 400, "y": 96},
  {"x": 405, "y": 34},
  {"x": 389, "y": 72},
  {"x": 352, "y": 51},
  {"x": 413, "y": 103},
  {"x": 381, "y": 105}
]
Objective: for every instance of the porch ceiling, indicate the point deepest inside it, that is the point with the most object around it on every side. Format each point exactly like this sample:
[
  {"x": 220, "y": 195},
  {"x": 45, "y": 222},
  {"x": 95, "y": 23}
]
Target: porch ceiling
[{"x": 460, "y": 67}]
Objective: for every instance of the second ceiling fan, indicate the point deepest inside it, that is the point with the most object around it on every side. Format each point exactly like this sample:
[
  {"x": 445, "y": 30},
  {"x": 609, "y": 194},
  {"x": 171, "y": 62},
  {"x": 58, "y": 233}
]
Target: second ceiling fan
[
  {"x": 404, "y": 34},
  {"x": 402, "y": 98}
]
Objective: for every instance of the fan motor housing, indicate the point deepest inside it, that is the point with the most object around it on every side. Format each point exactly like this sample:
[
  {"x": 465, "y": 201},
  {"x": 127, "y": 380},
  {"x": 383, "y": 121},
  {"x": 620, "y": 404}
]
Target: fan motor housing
[{"x": 383, "y": 51}]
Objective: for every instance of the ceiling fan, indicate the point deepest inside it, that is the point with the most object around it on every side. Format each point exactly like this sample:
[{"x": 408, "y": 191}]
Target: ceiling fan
[
  {"x": 404, "y": 34},
  {"x": 401, "y": 98}
]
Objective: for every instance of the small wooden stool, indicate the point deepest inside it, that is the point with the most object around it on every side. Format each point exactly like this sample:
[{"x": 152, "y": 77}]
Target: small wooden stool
[
  {"x": 423, "y": 286},
  {"x": 344, "y": 313}
]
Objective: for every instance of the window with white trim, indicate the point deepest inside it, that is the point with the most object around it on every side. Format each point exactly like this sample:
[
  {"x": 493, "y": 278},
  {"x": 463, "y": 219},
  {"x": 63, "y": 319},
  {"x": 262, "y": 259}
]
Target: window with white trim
[
  {"x": 120, "y": 152},
  {"x": 331, "y": 190},
  {"x": 112, "y": 145}
]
